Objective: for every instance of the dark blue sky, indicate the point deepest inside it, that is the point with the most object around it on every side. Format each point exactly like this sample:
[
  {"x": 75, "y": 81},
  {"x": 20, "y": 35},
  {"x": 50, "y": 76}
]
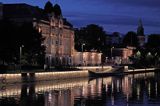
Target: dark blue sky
[{"x": 113, "y": 15}]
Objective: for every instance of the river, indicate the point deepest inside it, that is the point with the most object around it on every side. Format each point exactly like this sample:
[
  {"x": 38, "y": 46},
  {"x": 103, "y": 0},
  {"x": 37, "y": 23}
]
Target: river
[{"x": 130, "y": 90}]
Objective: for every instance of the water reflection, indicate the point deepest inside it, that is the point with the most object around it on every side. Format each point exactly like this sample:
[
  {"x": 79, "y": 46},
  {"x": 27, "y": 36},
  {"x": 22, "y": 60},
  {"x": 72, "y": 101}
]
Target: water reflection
[{"x": 139, "y": 89}]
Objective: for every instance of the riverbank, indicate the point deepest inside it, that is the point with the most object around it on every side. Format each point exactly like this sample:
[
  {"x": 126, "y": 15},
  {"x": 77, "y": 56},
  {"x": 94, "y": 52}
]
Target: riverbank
[
  {"x": 120, "y": 71},
  {"x": 144, "y": 70},
  {"x": 41, "y": 75},
  {"x": 82, "y": 72}
]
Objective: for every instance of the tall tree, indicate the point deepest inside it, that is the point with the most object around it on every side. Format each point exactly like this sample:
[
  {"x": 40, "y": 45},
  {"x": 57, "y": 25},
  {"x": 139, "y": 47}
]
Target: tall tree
[
  {"x": 130, "y": 39},
  {"x": 8, "y": 42},
  {"x": 153, "y": 41},
  {"x": 92, "y": 35},
  {"x": 34, "y": 51},
  {"x": 13, "y": 37}
]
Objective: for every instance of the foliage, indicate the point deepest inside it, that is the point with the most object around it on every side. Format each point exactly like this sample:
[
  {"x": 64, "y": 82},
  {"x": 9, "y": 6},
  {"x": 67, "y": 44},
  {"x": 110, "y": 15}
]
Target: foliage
[
  {"x": 130, "y": 39},
  {"x": 8, "y": 42},
  {"x": 93, "y": 36},
  {"x": 13, "y": 37},
  {"x": 32, "y": 40},
  {"x": 153, "y": 41},
  {"x": 147, "y": 58}
]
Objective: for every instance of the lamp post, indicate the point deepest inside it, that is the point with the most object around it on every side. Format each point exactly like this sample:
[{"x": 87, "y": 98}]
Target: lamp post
[
  {"x": 50, "y": 61},
  {"x": 111, "y": 51},
  {"x": 20, "y": 56},
  {"x": 83, "y": 44}
]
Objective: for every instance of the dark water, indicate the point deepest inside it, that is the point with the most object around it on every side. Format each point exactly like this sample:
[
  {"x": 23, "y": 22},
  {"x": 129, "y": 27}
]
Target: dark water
[{"x": 131, "y": 90}]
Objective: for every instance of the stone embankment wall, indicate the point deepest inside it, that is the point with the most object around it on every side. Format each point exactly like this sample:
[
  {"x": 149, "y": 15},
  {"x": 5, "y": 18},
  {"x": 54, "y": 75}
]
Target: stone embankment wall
[{"x": 41, "y": 76}]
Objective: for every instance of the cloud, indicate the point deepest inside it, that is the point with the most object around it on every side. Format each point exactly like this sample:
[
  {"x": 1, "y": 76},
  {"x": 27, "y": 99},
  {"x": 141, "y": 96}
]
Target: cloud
[
  {"x": 111, "y": 23},
  {"x": 145, "y": 3},
  {"x": 118, "y": 14},
  {"x": 111, "y": 19}
]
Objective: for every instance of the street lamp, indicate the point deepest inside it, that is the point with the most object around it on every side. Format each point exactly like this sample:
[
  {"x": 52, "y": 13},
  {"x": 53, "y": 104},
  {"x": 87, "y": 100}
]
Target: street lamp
[
  {"x": 111, "y": 51},
  {"x": 83, "y": 44},
  {"x": 20, "y": 56},
  {"x": 50, "y": 61}
]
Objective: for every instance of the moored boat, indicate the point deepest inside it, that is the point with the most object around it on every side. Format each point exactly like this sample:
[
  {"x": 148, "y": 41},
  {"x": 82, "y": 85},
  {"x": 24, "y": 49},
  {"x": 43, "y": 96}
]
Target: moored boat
[{"x": 103, "y": 73}]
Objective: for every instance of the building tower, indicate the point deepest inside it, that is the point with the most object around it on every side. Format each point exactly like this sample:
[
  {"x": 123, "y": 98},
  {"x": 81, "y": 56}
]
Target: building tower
[
  {"x": 60, "y": 39},
  {"x": 140, "y": 34}
]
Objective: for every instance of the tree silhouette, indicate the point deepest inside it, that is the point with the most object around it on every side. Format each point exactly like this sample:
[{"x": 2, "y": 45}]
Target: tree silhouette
[
  {"x": 92, "y": 35},
  {"x": 13, "y": 37},
  {"x": 130, "y": 39},
  {"x": 32, "y": 41},
  {"x": 153, "y": 41}
]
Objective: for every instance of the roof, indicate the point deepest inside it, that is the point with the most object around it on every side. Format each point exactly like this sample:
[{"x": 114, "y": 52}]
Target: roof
[
  {"x": 57, "y": 10},
  {"x": 65, "y": 22},
  {"x": 23, "y": 10}
]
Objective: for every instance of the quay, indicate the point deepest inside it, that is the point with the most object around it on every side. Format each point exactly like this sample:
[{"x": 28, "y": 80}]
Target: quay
[
  {"x": 83, "y": 72},
  {"x": 47, "y": 76},
  {"x": 120, "y": 71},
  {"x": 41, "y": 76}
]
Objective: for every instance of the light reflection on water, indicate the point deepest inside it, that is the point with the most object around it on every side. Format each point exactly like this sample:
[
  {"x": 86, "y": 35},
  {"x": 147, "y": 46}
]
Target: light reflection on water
[{"x": 139, "y": 89}]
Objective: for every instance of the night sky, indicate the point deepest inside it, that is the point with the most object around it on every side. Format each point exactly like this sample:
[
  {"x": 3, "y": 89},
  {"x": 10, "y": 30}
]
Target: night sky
[{"x": 113, "y": 15}]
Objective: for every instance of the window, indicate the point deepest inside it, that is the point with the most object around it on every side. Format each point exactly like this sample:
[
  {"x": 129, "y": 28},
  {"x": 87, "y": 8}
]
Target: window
[
  {"x": 56, "y": 42},
  {"x": 60, "y": 42}
]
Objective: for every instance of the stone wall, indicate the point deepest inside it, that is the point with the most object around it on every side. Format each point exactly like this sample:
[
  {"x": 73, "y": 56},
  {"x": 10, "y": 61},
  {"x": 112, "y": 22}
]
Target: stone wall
[{"x": 41, "y": 76}]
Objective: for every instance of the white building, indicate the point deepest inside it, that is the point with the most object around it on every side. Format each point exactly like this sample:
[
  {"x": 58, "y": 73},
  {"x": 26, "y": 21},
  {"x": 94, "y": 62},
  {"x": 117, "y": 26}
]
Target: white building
[{"x": 87, "y": 58}]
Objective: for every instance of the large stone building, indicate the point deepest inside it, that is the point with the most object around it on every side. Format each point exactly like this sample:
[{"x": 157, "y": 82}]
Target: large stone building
[{"x": 58, "y": 32}]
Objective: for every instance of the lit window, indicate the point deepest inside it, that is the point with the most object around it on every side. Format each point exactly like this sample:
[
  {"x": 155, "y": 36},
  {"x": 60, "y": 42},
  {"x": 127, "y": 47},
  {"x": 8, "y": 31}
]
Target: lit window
[{"x": 56, "y": 42}]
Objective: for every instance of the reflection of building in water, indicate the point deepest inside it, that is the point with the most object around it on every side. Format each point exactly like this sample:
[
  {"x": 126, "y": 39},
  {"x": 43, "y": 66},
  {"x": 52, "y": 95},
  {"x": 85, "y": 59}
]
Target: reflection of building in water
[
  {"x": 137, "y": 87},
  {"x": 94, "y": 88},
  {"x": 126, "y": 86},
  {"x": 12, "y": 90},
  {"x": 59, "y": 98},
  {"x": 133, "y": 85},
  {"x": 143, "y": 75}
]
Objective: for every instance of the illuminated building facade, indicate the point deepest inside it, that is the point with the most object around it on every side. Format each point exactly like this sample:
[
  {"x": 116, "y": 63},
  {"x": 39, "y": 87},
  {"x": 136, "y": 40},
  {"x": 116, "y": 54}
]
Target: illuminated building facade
[
  {"x": 87, "y": 58},
  {"x": 59, "y": 36},
  {"x": 57, "y": 31},
  {"x": 123, "y": 53}
]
